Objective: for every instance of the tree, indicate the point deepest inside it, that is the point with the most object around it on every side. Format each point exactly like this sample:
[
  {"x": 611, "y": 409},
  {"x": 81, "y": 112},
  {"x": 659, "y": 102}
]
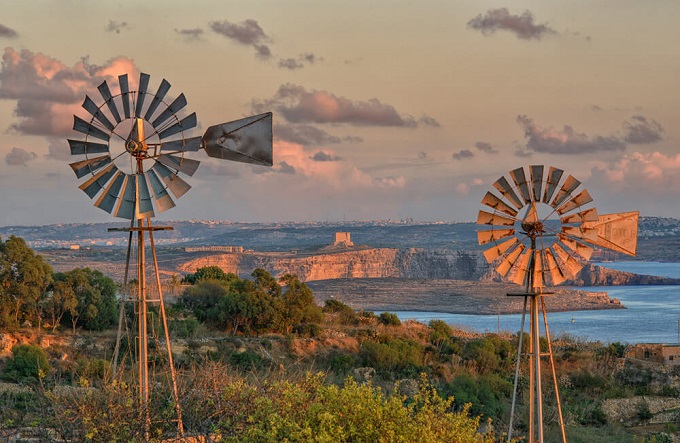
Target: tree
[
  {"x": 61, "y": 299},
  {"x": 24, "y": 278},
  {"x": 175, "y": 284},
  {"x": 214, "y": 273},
  {"x": 203, "y": 299},
  {"x": 299, "y": 305},
  {"x": 96, "y": 296}
]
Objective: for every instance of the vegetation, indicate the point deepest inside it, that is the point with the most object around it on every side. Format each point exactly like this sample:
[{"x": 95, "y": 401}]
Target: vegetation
[
  {"x": 242, "y": 306},
  {"x": 31, "y": 294},
  {"x": 258, "y": 360}
]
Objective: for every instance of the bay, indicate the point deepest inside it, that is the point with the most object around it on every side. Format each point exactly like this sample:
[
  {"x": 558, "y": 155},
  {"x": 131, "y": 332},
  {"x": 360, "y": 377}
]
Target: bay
[{"x": 652, "y": 314}]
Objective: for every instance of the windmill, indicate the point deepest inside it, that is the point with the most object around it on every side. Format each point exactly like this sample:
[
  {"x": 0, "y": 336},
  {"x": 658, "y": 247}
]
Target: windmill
[
  {"x": 543, "y": 230},
  {"x": 133, "y": 157}
]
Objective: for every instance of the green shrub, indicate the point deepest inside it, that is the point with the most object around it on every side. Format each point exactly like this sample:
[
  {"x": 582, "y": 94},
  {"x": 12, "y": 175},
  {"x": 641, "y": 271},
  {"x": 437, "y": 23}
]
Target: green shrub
[
  {"x": 389, "y": 319},
  {"x": 308, "y": 330},
  {"x": 485, "y": 395},
  {"x": 246, "y": 360},
  {"x": 28, "y": 363},
  {"x": 342, "y": 363},
  {"x": 394, "y": 355},
  {"x": 586, "y": 380},
  {"x": 186, "y": 328},
  {"x": 346, "y": 315}
]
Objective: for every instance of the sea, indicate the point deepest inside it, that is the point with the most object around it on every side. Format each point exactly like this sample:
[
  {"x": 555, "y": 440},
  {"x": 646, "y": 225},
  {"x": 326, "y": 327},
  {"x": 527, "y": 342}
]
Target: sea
[{"x": 652, "y": 313}]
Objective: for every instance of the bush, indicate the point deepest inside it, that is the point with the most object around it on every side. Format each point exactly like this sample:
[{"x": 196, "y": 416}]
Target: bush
[
  {"x": 187, "y": 328},
  {"x": 304, "y": 410},
  {"x": 246, "y": 360},
  {"x": 28, "y": 363},
  {"x": 346, "y": 315},
  {"x": 395, "y": 355},
  {"x": 311, "y": 330},
  {"x": 342, "y": 363},
  {"x": 389, "y": 319}
]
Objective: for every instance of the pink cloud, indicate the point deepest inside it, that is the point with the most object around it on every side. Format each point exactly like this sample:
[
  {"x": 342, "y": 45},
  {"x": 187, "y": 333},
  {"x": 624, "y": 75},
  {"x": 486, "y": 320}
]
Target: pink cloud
[
  {"x": 292, "y": 158},
  {"x": 298, "y": 105},
  {"x": 47, "y": 92},
  {"x": 652, "y": 173}
]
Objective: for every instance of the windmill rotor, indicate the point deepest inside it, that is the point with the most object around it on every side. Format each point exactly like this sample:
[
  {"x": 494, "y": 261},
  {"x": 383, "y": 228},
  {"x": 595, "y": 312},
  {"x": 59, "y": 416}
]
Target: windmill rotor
[
  {"x": 133, "y": 157},
  {"x": 555, "y": 215}
]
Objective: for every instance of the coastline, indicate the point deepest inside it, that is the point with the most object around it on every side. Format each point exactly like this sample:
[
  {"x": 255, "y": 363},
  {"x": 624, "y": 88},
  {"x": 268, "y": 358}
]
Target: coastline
[{"x": 450, "y": 296}]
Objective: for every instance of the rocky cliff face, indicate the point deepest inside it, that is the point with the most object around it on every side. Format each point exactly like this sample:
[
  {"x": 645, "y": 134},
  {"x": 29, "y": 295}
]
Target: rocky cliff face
[
  {"x": 593, "y": 275},
  {"x": 364, "y": 263},
  {"x": 396, "y": 263}
]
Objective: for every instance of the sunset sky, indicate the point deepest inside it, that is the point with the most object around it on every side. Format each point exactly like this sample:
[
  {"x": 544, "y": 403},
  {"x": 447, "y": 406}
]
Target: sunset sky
[{"x": 382, "y": 109}]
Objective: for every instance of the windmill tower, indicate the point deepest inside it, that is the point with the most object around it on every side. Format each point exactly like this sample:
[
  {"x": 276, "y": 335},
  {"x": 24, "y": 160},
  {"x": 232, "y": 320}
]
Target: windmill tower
[
  {"x": 542, "y": 229},
  {"x": 133, "y": 157}
]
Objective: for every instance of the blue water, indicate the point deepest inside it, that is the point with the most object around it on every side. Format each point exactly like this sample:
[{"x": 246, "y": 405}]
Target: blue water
[{"x": 651, "y": 316}]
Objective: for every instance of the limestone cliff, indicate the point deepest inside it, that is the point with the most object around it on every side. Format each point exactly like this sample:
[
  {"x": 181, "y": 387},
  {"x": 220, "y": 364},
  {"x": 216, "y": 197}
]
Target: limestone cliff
[
  {"x": 361, "y": 263},
  {"x": 365, "y": 262}
]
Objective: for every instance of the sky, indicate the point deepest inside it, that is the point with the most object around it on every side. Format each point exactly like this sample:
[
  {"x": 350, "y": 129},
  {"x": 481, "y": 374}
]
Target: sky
[{"x": 382, "y": 109}]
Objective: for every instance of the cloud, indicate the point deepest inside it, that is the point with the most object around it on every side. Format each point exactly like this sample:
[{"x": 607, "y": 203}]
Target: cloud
[
  {"x": 325, "y": 170},
  {"x": 304, "y": 134},
  {"x": 116, "y": 27},
  {"x": 248, "y": 33},
  {"x": 19, "y": 157},
  {"x": 647, "y": 174},
  {"x": 522, "y": 26},
  {"x": 426, "y": 120},
  {"x": 298, "y": 63},
  {"x": 565, "y": 141},
  {"x": 463, "y": 154},
  {"x": 486, "y": 148},
  {"x": 190, "y": 34},
  {"x": 290, "y": 64},
  {"x": 47, "y": 92},
  {"x": 298, "y": 105},
  {"x": 285, "y": 168},
  {"x": 58, "y": 149},
  {"x": 642, "y": 131},
  {"x": 322, "y": 156},
  {"x": 522, "y": 153},
  {"x": 6, "y": 32}
]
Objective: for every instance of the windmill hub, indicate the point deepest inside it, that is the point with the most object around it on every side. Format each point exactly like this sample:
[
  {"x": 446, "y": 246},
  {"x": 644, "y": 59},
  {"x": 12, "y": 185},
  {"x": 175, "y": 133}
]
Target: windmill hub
[
  {"x": 533, "y": 229},
  {"x": 135, "y": 147}
]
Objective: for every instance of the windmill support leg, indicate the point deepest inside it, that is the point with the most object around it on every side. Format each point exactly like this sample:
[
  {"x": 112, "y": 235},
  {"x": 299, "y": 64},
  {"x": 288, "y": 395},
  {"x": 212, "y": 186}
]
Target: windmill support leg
[
  {"x": 142, "y": 334},
  {"x": 554, "y": 375},
  {"x": 121, "y": 313},
  {"x": 171, "y": 363},
  {"x": 517, "y": 363},
  {"x": 536, "y": 412}
]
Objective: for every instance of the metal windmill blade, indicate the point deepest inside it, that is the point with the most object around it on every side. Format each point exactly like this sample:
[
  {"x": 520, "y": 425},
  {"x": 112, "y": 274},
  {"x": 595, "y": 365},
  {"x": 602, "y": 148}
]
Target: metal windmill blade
[{"x": 145, "y": 174}]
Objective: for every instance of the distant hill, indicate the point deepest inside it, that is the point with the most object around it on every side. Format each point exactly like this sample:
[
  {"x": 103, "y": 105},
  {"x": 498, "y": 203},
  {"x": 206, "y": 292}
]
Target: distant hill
[{"x": 659, "y": 237}]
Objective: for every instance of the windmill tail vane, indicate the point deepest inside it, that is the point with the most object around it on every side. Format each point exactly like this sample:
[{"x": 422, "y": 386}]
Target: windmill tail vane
[{"x": 134, "y": 146}]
